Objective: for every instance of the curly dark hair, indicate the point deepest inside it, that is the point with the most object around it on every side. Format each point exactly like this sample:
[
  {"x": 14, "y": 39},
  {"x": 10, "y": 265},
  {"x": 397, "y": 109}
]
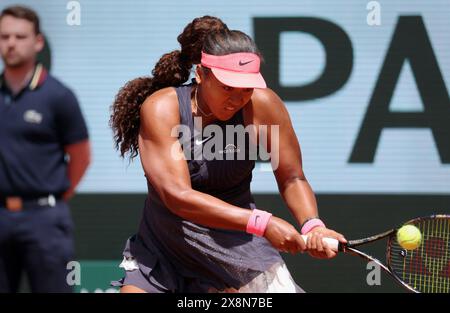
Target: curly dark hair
[
  {"x": 208, "y": 34},
  {"x": 172, "y": 69}
]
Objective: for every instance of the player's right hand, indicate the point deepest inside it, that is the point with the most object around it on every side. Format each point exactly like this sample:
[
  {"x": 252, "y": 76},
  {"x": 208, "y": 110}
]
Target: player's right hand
[{"x": 283, "y": 236}]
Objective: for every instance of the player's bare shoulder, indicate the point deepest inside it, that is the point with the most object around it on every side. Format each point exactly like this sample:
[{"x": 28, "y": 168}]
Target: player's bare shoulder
[
  {"x": 161, "y": 106},
  {"x": 267, "y": 105}
]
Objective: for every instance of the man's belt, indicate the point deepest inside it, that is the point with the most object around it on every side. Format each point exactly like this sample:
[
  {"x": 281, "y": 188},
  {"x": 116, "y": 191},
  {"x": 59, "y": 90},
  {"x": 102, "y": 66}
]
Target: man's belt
[{"x": 16, "y": 204}]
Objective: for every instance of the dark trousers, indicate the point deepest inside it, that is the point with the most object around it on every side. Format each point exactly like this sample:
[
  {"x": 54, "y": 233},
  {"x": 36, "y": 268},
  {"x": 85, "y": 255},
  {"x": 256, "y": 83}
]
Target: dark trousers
[{"x": 39, "y": 242}]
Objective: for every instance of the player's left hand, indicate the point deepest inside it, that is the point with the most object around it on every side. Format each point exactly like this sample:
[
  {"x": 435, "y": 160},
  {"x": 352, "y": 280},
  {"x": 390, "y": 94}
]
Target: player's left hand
[{"x": 319, "y": 249}]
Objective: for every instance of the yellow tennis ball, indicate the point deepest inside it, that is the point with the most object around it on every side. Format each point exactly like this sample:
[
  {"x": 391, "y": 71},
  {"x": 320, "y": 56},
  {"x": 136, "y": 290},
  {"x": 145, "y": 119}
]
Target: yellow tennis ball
[{"x": 409, "y": 237}]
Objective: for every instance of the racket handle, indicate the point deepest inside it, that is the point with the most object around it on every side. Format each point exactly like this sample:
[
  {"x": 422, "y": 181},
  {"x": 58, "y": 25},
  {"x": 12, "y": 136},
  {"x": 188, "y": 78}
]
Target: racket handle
[{"x": 331, "y": 242}]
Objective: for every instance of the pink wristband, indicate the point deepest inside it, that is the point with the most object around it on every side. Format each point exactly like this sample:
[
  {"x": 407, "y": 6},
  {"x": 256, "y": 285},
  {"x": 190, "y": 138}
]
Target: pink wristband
[
  {"x": 257, "y": 222},
  {"x": 309, "y": 225}
]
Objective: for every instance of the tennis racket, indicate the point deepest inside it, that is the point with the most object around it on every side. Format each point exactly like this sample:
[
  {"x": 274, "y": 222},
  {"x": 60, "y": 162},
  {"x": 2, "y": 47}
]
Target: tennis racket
[{"x": 424, "y": 269}]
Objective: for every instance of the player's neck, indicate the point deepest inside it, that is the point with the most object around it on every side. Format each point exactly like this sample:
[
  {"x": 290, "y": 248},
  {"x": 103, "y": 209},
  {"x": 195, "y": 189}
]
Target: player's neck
[
  {"x": 18, "y": 77},
  {"x": 199, "y": 109}
]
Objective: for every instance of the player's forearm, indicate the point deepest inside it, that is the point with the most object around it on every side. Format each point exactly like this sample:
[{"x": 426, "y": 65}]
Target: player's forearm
[
  {"x": 207, "y": 210},
  {"x": 300, "y": 199}
]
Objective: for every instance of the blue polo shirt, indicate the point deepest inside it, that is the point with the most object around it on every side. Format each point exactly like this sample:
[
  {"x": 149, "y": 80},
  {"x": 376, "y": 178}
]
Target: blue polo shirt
[{"x": 35, "y": 125}]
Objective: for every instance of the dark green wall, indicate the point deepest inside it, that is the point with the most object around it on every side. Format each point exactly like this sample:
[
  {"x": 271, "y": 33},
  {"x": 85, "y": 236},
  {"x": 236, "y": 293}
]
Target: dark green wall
[{"x": 104, "y": 221}]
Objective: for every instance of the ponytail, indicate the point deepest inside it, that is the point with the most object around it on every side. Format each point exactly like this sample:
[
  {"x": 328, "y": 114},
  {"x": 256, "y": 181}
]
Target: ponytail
[
  {"x": 172, "y": 69},
  {"x": 125, "y": 120}
]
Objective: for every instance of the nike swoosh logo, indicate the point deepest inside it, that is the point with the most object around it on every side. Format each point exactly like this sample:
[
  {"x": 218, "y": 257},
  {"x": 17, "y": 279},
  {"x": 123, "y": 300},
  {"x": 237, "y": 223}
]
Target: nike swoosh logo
[
  {"x": 243, "y": 63},
  {"x": 199, "y": 142}
]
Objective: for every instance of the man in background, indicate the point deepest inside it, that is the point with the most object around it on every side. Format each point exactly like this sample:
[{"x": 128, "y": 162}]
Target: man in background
[{"x": 44, "y": 153}]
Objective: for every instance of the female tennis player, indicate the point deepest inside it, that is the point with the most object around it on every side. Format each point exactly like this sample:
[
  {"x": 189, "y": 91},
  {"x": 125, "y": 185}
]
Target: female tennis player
[{"x": 201, "y": 230}]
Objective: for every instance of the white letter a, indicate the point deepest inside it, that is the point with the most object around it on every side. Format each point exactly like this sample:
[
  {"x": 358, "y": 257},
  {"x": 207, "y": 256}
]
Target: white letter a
[
  {"x": 374, "y": 16},
  {"x": 74, "y": 16}
]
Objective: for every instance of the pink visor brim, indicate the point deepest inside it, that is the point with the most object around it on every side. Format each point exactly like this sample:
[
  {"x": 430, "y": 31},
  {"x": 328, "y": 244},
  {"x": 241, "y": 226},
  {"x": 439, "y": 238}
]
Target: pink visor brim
[
  {"x": 239, "y": 79},
  {"x": 239, "y": 70}
]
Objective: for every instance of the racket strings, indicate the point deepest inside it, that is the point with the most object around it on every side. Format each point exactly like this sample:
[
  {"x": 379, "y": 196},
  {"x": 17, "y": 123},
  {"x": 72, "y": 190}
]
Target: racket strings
[{"x": 427, "y": 268}]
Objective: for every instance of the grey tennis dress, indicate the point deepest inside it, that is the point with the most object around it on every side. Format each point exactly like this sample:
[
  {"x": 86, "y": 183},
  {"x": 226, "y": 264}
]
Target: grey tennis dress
[{"x": 169, "y": 254}]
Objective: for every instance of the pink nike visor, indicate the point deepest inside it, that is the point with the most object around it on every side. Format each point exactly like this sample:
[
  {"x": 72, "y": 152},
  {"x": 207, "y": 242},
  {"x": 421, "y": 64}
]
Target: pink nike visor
[{"x": 239, "y": 70}]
